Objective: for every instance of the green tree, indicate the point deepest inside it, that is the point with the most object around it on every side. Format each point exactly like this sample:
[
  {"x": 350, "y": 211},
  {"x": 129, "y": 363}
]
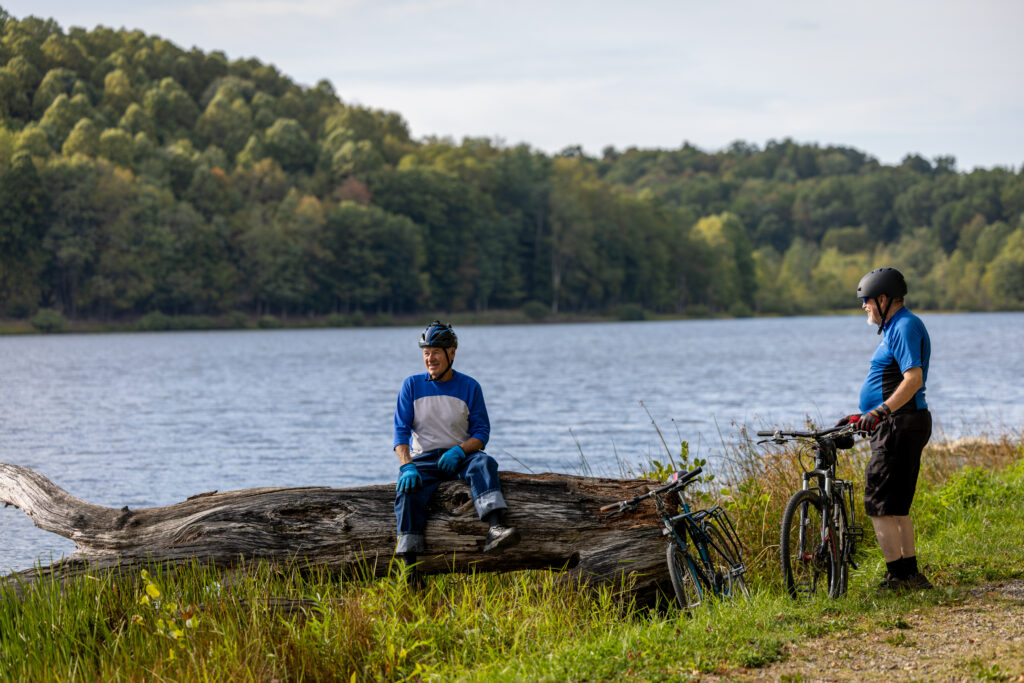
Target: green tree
[
  {"x": 1004, "y": 276},
  {"x": 83, "y": 139},
  {"x": 116, "y": 145},
  {"x": 23, "y": 217},
  {"x": 290, "y": 146},
  {"x": 34, "y": 140},
  {"x": 118, "y": 92},
  {"x": 226, "y": 122},
  {"x": 171, "y": 109},
  {"x": 732, "y": 271},
  {"x": 56, "y": 82}
]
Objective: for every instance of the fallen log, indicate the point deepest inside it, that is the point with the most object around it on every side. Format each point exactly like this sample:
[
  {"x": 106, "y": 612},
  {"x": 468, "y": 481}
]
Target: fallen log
[{"x": 353, "y": 529}]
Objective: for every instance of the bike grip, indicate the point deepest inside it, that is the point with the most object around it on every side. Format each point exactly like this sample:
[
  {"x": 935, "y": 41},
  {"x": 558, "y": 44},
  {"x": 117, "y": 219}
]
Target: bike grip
[
  {"x": 610, "y": 506},
  {"x": 762, "y": 433}
]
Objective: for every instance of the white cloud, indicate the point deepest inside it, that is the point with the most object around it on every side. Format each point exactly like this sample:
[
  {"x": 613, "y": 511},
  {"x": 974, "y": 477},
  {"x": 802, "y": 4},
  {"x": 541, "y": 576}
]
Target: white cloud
[{"x": 937, "y": 76}]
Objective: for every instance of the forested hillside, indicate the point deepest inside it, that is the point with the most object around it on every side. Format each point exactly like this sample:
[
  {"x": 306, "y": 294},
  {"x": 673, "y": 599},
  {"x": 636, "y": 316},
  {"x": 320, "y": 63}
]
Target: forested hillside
[{"x": 136, "y": 176}]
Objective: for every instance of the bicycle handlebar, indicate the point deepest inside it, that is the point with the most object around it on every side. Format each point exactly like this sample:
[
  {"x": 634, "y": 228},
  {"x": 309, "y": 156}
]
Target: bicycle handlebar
[
  {"x": 779, "y": 435},
  {"x": 681, "y": 480}
]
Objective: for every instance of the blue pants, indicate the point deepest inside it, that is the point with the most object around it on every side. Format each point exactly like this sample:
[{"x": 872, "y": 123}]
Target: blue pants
[{"x": 479, "y": 470}]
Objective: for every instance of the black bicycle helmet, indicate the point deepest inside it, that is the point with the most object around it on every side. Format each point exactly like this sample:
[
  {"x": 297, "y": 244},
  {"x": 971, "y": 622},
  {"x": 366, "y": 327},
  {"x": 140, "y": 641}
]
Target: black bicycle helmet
[
  {"x": 888, "y": 281},
  {"x": 439, "y": 334}
]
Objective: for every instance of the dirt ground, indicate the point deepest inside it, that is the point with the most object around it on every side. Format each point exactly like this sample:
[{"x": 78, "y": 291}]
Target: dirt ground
[{"x": 979, "y": 638}]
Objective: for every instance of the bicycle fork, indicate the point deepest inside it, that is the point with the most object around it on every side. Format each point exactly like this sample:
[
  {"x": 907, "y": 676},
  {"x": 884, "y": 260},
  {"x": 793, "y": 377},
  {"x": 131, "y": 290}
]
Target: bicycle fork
[{"x": 826, "y": 541}]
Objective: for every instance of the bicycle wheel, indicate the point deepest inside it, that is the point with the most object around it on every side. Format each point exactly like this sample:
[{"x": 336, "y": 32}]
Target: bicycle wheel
[
  {"x": 845, "y": 547},
  {"x": 685, "y": 582},
  {"x": 807, "y": 547},
  {"x": 728, "y": 582}
]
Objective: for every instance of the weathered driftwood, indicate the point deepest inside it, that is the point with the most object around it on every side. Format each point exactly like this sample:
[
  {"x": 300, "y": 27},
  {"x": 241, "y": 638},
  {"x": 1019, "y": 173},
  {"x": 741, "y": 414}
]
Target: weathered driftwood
[{"x": 344, "y": 528}]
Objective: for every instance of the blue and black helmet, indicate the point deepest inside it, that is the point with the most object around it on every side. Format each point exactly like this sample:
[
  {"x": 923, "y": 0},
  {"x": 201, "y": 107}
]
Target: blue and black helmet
[{"x": 440, "y": 335}]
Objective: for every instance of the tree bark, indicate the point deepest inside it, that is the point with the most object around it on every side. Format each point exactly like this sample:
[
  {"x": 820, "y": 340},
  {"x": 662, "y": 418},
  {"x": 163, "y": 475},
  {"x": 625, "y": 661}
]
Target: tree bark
[{"x": 344, "y": 529}]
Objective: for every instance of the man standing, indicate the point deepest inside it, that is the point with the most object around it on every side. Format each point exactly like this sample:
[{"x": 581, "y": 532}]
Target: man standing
[
  {"x": 894, "y": 415},
  {"x": 441, "y": 428}
]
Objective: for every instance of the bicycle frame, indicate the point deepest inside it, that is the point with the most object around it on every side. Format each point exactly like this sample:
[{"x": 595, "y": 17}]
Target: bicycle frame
[
  {"x": 838, "y": 530},
  {"x": 692, "y": 525}
]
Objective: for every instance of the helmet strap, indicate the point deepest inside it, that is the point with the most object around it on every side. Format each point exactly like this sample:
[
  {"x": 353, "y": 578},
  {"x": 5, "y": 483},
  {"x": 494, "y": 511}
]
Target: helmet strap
[{"x": 883, "y": 314}]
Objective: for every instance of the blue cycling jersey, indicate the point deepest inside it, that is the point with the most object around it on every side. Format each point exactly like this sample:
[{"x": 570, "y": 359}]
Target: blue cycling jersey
[
  {"x": 905, "y": 345},
  {"x": 432, "y": 415}
]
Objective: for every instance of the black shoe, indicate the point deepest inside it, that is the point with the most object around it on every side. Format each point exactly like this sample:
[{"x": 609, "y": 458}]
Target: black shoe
[
  {"x": 916, "y": 582},
  {"x": 888, "y": 584},
  {"x": 500, "y": 537}
]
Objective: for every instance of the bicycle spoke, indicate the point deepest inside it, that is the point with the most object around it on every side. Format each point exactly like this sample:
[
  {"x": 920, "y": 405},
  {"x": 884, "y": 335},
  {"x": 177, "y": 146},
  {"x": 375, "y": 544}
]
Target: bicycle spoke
[
  {"x": 806, "y": 546},
  {"x": 683, "y": 574}
]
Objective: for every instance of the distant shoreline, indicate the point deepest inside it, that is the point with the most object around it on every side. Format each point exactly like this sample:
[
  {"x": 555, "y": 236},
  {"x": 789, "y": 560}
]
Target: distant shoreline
[{"x": 158, "y": 322}]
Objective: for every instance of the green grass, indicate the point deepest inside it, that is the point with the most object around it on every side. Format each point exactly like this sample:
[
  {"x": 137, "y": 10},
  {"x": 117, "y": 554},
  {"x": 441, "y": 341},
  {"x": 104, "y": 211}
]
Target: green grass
[{"x": 198, "y": 623}]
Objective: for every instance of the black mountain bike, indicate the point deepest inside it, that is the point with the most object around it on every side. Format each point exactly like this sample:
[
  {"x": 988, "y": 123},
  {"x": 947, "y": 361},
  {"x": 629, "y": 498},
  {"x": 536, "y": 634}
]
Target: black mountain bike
[
  {"x": 819, "y": 530},
  {"x": 715, "y": 566}
]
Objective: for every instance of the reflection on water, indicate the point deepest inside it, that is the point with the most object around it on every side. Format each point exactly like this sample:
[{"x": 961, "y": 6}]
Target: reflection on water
[{"x": 150, "y": 419}]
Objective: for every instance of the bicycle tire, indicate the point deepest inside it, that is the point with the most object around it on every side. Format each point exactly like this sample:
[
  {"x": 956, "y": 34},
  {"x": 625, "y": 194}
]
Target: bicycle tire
[
  {"x": 727, "y": 582},
  {"x": 685, "y": 580},
  {"x": 807, "y": 559},
  {"x": 839, "y": 586}
]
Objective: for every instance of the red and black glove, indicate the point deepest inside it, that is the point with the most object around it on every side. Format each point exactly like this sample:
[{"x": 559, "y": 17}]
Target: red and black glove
[
  {"x": 870, "y": 420},
  {"x": 848, "y": 420}
]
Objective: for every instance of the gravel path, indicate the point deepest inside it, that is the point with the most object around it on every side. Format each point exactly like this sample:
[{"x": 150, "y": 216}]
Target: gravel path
[{"x": 979, "y": 638}]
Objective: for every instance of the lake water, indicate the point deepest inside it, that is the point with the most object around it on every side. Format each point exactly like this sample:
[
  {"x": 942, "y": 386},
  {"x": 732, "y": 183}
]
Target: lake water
[{"x": 150, "y": 419}]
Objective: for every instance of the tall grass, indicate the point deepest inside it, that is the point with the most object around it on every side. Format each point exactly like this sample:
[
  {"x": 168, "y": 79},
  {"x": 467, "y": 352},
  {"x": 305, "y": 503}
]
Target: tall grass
[
  {"x": 264, "y": 623},
  {"x": 756, "y": 481}
]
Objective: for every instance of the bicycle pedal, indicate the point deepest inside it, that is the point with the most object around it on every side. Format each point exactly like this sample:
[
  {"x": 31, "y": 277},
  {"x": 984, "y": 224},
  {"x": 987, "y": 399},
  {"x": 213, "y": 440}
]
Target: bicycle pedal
[{"x": 856, "y": 532}]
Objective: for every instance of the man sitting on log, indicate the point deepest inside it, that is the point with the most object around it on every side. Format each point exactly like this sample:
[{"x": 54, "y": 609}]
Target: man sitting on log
[{"x": 441, "y": 428}]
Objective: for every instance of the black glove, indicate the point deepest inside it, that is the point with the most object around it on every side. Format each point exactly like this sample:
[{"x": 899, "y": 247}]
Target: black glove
[{"x": 870, "y": 420}]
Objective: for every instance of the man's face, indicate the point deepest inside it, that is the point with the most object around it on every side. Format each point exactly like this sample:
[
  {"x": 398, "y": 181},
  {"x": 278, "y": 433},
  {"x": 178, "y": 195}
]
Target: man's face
[
  {"x": 871, "y": 307},
  {"x": 436, "y": 360}
]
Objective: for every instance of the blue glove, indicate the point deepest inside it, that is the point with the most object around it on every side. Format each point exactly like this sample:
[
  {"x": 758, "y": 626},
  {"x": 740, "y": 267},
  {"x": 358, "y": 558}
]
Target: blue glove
[
  {"x": 409, "y": 478},
  {"x": 449, "y": 462}
]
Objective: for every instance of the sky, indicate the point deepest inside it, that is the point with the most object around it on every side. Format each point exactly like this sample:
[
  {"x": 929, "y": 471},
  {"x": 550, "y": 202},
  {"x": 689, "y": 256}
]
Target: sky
[{"x": 887, "y": 77}]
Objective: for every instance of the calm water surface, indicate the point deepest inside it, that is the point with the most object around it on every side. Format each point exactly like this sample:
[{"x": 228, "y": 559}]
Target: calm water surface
[{"x": 150, "y": 419}]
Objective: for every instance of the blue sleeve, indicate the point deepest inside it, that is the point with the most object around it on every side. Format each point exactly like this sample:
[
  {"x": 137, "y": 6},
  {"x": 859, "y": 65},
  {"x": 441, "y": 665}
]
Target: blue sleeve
[
  {"x": 905, "y": 347},
  {"x": 404, "y": 414},
  {"x": 479, "y": 424}
]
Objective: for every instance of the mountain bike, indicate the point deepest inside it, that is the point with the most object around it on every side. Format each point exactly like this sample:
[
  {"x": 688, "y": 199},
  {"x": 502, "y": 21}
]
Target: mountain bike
[
  {"x": 819, "y": 532},
  {"x": 714, "y": 566}
]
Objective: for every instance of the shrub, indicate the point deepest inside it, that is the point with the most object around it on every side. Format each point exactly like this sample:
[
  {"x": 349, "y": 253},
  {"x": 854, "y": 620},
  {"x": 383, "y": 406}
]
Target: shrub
[
  {"x": 535, "y": 310},
  {"x": 740, "y": 310},
  {"x": 629, "y": 312},
  {"x": 337, "y": 320},
  {"x": 154, "y": 321},
  {"x": 269, "y": 322},
  {"x": 235, "y": 320},
  {"x": 697, "y": 311},
  {"x": 192, "y": 322},
  {"x": 49, "y": 321}
]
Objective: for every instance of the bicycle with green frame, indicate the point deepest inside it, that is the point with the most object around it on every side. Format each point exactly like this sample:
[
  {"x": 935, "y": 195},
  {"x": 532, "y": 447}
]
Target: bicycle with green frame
[{"x": 704, "y": 555}]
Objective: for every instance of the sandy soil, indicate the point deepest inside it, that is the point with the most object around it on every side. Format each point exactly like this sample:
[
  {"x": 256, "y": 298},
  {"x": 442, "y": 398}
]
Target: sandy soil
[{"x": 979, "y": 638}]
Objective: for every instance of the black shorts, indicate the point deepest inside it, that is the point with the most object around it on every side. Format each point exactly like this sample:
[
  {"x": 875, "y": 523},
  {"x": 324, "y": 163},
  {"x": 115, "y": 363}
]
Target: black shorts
[{"x": 891, "y": 475}]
